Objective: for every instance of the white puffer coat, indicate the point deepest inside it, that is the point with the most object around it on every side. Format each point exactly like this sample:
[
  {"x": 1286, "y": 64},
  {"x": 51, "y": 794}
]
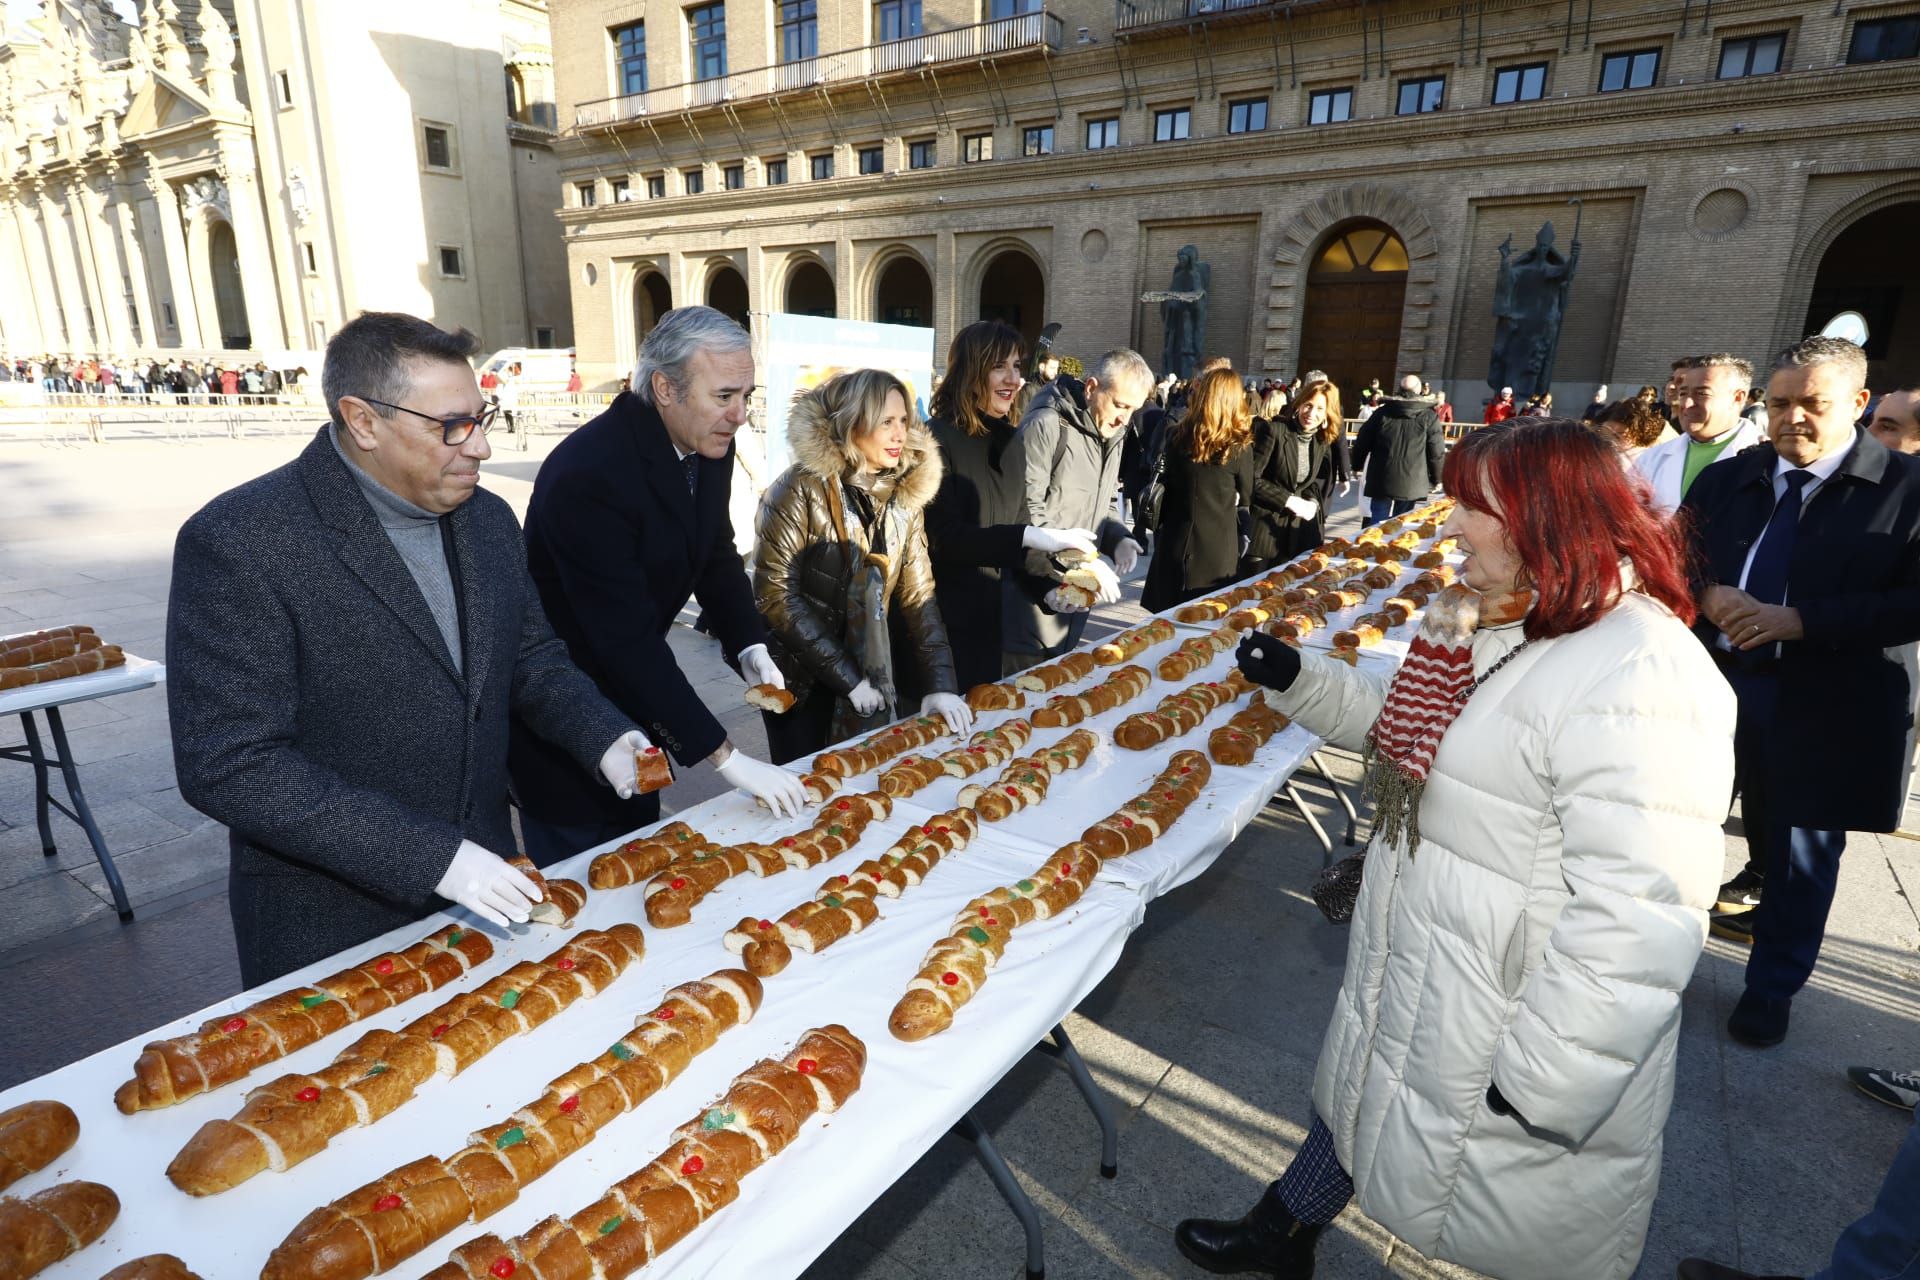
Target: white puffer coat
[{"x": 1539, "y": 936}]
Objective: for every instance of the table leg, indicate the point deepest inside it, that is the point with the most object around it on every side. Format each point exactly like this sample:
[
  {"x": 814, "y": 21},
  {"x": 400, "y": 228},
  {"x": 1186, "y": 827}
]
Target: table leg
[
  {"x": 84, "y": 815},
  {"x": 39, "y": 783},
  {"x": 1353, "y": 818},
  {"x": 1062, "y": 1048},
  {"x": 1292, "y": 793},
  {"x": 1009, "y": 1189}
]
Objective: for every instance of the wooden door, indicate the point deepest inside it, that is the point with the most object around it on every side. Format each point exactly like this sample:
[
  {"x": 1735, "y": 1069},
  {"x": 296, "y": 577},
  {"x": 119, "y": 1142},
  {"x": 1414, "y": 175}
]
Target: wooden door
[{"x": 1356, "y": 291}]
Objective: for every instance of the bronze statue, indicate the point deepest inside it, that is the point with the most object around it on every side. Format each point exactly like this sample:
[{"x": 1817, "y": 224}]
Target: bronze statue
[
  {"x": 1183, "y": 310},
  {"x": 1529, "y": 304}
]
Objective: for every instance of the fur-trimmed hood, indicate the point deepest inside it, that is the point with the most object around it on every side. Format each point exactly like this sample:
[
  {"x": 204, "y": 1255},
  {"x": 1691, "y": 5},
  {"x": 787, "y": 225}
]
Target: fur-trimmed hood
[{"x": 817, "y": 448}]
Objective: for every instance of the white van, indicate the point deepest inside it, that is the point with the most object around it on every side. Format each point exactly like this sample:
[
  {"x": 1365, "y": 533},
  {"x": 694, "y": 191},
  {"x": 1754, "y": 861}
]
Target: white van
[{"x": 542, "y": 369}]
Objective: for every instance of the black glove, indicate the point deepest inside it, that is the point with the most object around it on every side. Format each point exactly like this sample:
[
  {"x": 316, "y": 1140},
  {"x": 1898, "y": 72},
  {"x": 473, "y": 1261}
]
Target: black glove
[
  {"x": 1265, "y": 660},
  {"x": 1499, "y": 1105}
]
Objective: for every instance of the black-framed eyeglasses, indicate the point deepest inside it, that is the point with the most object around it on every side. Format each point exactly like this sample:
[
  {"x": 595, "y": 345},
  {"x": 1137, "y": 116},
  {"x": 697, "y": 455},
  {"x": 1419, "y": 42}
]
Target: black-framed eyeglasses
[{"x": 452, "y": 430}]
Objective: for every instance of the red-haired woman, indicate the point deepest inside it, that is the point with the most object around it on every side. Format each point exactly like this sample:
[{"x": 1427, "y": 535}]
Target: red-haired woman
[
  {"x": 1552, "y": 764},
  {"x": 1208, "y": 476}
]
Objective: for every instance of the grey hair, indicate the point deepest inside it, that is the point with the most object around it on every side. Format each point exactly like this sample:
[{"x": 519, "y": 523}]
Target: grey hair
[
  {"x": 1823, "y": 350},
  {"x": 1410, "y": 383},
  {"x": 1122, "y": 363},
  {"x": 681, "y": 334},
  {"x": 1727, "y": 360}
]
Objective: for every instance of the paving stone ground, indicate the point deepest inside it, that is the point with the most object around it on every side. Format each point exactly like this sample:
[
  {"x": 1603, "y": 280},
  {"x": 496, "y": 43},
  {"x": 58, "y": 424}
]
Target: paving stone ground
[{"x": 1204, "y": 1036}]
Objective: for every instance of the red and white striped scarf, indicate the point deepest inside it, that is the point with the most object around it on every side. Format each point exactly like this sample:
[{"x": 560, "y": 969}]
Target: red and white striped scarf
[{"x": 1425, "y": 696}]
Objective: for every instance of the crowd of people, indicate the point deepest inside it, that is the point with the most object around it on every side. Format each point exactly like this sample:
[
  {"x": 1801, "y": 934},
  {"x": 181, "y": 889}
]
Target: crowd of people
[
  {"x": 370, "y": 661},
  {"x": 183, "y": 380}
]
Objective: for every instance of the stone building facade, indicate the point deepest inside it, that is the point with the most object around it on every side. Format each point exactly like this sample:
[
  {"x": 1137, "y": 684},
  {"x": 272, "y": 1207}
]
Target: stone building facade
[
  {"x": 1739, "y": 170},
  {"x": 250, "y": 174}
]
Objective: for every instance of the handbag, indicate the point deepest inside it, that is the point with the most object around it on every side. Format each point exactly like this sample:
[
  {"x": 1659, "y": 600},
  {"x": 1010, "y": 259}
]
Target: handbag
[
  {"x": 1155, "y": 494},
  {"x": 1337, "y": 889}
]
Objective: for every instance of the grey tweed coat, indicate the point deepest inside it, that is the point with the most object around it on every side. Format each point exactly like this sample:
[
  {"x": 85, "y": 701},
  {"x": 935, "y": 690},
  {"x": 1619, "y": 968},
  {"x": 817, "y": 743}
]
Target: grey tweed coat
[{"x": 317, "y": 713}]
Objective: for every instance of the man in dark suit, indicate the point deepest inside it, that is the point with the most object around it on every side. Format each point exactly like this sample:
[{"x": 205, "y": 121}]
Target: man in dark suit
[
  {"x": 629, "y": 519},
  {"x": 1810, "y": 547},
  {"x": 346, "y": 639}
]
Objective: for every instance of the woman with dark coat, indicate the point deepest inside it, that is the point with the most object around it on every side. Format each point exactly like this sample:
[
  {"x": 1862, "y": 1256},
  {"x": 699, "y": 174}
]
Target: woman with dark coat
[
  {"x": 977, "y": 522},
  {"x": 842, "y": 548},
  {"x": 1208, "y": 478},
  {"x": 1298, "y": 457}
]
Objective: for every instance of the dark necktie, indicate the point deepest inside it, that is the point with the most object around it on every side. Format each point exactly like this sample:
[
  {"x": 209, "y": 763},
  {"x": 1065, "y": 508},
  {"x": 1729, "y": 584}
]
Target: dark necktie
[
  {"x": 688, "y": 463},
  {"x": 1767, "y": 577}
]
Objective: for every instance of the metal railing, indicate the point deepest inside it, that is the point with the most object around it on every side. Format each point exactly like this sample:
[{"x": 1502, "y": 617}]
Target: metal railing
[
  {"x": 68, "y": 419},
  {"x": 1021, "y": 32},
  {"x": 1133, "y": 15}
]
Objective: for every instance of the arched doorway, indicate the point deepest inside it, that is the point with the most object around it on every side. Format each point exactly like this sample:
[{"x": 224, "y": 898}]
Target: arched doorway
[
  {"x": 651, "y": 300},
  {"x": 229, "y": 299},
  {"x": 810, "y": 291},
  {"x": 1356, "y": 289},
  {"x": 1870, "y": 268},
  {"x": 904, "y": 293},
  {"x": 1014, "y": 290},
  {"x": 727, "y": 294}
]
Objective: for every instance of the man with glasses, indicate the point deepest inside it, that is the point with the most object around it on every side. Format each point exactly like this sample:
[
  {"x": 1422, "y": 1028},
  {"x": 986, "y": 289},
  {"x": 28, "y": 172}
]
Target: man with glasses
[
  {"x": 346, "y": 640},
  {"x": 628, "y": 520}
]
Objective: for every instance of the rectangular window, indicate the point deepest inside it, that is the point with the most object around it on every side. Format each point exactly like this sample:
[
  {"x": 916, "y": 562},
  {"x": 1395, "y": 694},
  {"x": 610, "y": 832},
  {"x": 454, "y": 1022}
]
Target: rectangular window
[
  {"x": 166, "y": 314},
  {"x": 657, "y": 186},
  {"x": 820, "y": 167},
  {"x": 1247, "y": 117},
  {"x": 630, "y": 57},
  {"x": 586, "y": 193},
  {"x": 1520, "y": 84},
  {"x": 439, "y": 146},
  {"x": 1011, "y": 8},
  {"x": 734, "y": 177},
  {"x": 873, "y": 159},
  {"x": 1634, "y": 69},
  {"x": 622, "y": 190},
  {"x": 309, "y": 258},
  {"x": 1744, "y": 56},
  {"x": 707, "y": 40},
  {"x": 283, "y": 89},
  {"x": 1173, "y": 125},
  {"x": 1036, "y": 140},
  {"x": 1885, "y": 39},
  {"x": 450, "y": 262},
  {"x": 799, "y": 29},
  {"x": 1422, "y": 95},
  {"x": 920, "y": 154},
  {"x": 693, "y": 181},
  {"x": 976, "y": 147},
  {"x": 1329, "y": 106},
  {"x": 1102, "y": 134},
  {"x": 896, "y": 20},
  {"x": 776, "y": 173},
  {"x": 543, "y": 336}
]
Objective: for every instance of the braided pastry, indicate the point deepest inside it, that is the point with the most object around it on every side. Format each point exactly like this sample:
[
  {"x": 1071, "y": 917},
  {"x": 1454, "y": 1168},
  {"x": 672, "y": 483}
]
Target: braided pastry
[
  {"x": 876, "y": 749},
  {"x": 561, "y": 900},
  {"x": 637, "y": 859},
  {"x": 1234, "y": 742},
  {"x": 911, "y": 774},
  {"x": 37, "y": 1232},
  {"x": 1129, "y": 645},
  {"x": 1141, "y": 820},
  {"x": 227, "y": 1047},
  {"x": 82, "y": 663},
  {"x": 678, "y": 887},
  {"x": 1065, "y": 709},
  {"x": 996, "y": 697},
  {"x": 987, "y": 749},
  {"x": 289, "y": 1119},
  {"x": 1179, "y": 712},
  {"x": 1077, "y": 665},
  {"x": 155, "y": 1266},
  {"x": 32, "y": 1136},
  {"x": 647, "y": 1213},
  {"x": 45, "y": 646}
]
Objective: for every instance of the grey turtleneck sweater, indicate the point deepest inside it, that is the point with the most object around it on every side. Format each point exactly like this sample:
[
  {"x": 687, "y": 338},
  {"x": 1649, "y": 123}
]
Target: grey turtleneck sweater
[{"x": 415, "y": 534}]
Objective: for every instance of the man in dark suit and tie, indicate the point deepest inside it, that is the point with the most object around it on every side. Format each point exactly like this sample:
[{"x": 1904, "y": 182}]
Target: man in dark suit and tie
[
  {"x": 1810, "y": 551},
  {"x": 346, "y": 639},
  {"x": 628, "y": 520}
]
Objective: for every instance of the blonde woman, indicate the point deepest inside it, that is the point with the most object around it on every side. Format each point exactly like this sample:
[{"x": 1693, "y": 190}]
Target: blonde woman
[
  {"x": 1208, "y": 476},
  {"x": 843, "y": 546}
]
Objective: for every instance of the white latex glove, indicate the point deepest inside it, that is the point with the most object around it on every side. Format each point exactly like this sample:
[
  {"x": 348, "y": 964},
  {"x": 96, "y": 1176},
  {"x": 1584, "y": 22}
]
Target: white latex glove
[
  {"x": 1034, "y": 538},
  {"x": 1346, "y": 487},
  {"x": 866, "y": 699},
  {"x": 1245, "y": 542},
  {"x": 950, "y": 707},
  {"x": 757, "y": 666},
  {"x": 1109, "y": 584},
  {"x": 1305, "y": 508},
  {"x": 781, "y": 790},
  {"x": 617, "y": 765},
  {"x": 1126, "y": 557},
  {"x": 1060, "y": 604},
  {"x": 484, "y": 884}
]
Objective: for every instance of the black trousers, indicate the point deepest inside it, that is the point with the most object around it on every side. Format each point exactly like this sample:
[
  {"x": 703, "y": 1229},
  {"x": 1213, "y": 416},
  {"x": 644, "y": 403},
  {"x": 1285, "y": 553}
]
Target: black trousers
[{"x": 801, "y": 731}]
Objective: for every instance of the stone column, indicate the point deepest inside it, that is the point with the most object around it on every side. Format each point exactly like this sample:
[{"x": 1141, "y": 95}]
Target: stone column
[
  {"x": 256, "y": 259},
  {"x": 946, "y": 287},
  {"x": 97, "y": 251},
  {"x": 66, "y": 278},
  {"x": 37, "y": 277},
  {"x": 846, "y": 296},
  {"x": 173, "y": 243},
  {"x": 126, "y": 222}
]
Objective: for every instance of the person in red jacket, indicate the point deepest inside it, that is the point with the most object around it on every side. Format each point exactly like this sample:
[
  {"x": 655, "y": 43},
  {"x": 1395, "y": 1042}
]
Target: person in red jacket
[{"x": 1502, "y": 408}]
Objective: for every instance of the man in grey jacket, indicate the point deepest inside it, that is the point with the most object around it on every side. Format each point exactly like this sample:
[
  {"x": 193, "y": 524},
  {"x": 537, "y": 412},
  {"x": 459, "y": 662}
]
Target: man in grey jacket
[
  {"x": 346, "y": 639},
  {"x": 1070, "y": 443}
]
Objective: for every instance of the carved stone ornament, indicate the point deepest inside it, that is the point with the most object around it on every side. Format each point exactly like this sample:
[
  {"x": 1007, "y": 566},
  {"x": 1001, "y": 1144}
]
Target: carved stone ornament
[{"x": 206, "y": 191}]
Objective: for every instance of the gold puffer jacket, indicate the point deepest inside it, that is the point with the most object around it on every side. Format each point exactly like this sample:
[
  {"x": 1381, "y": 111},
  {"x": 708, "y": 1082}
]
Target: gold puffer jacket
[{"x": 814, "y": 535}]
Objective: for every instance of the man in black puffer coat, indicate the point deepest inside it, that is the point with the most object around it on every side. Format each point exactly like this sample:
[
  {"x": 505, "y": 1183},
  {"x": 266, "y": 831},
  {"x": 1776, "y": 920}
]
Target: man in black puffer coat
[{"x": 1405, "y": 446}]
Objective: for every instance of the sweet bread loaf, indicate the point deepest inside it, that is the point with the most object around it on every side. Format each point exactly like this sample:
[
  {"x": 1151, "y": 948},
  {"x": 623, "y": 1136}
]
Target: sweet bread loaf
[
  {"x": 1064, "y": 709},
  {"x": 770, "y": 697},
  {"x": 995, "y": 697},
  {"x": 155, "y": 1266},
  {"x": 37, "y": 1232},
  {"x": 1144, "y": 818},
  {"x": 227, "y": 1047},
  {"x": 651, "y": 1210},
  {"x": 377, "y": 1226},
  {"x": 1047, "y": 677},
  {"x": 679, "y": 886},
  {"x": 1130, "y": 644},
  {"x": 289, "y": 1119},
  {"x": 1234, "y": 742},
  {"x": 561, "y": 900},
  {"x": 910, "y": 775},
  {"x": 987, "y": 749},
  {"x": 32, "y": 1136},
  {"x": 45, "y": 646},
  {"x": 77, "y": 664},
  {"x": 652, "y": 771},
  {"x": 876, "y": 749},
  {"x": 640, "y": 858},
  {"x": 1179, "y": 712},
  {"x": 1025, "y": 782}
]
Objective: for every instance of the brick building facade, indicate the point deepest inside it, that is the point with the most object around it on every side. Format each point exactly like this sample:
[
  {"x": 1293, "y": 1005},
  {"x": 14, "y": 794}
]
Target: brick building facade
[{"x": 1348, "y": 170}]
